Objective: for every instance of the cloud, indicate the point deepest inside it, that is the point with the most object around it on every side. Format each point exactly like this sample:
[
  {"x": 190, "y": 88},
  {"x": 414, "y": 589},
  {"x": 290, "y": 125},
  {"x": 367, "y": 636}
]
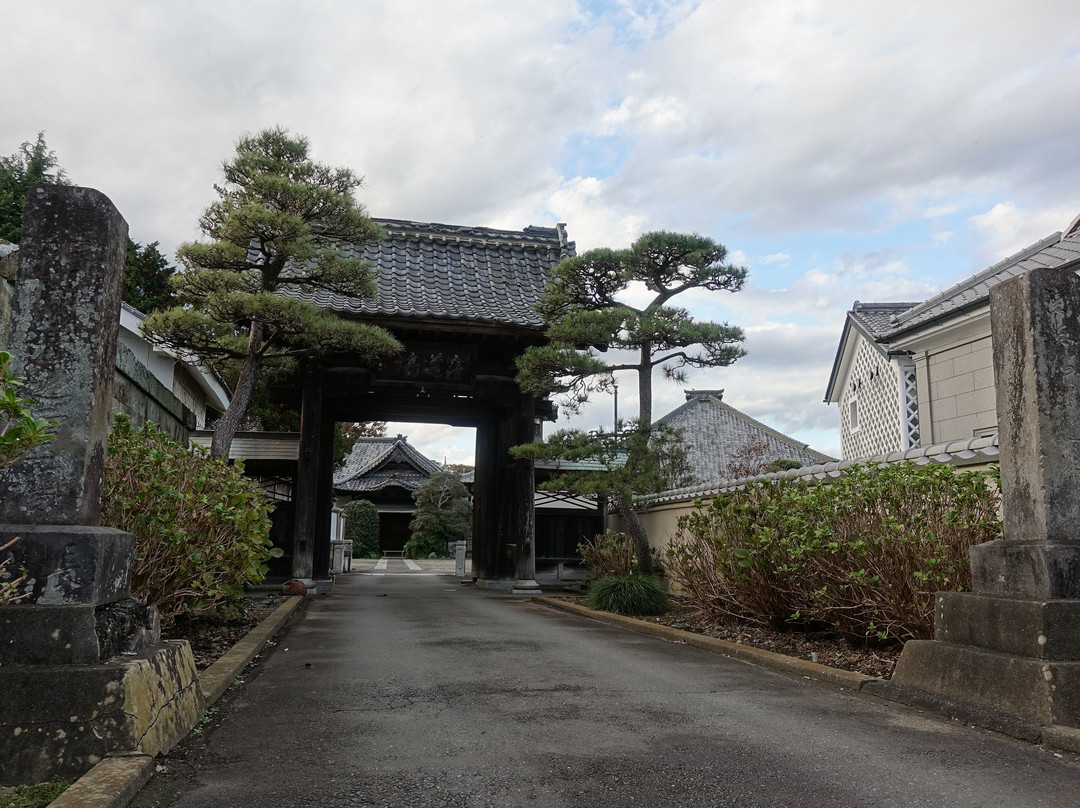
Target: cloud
[
  {"x": 1006, "y": 229},
  {"x": 844, "y": 150}
]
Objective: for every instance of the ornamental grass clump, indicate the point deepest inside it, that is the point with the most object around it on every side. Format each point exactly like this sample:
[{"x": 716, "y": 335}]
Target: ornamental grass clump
[
  {"x": 864, "y": 554},
  {"x": 635, "y": 595},
  {"x": 202, "y": 530}
]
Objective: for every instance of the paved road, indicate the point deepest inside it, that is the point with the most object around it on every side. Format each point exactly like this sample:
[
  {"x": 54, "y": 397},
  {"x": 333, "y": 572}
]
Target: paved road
[{"x": 411, "y": 690}]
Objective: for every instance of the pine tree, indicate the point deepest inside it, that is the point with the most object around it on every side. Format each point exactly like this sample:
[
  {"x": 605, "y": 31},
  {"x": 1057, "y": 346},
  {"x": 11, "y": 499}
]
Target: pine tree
[
  {"x": 274, "y": 233},
  {"x": 587, "y": 317}
]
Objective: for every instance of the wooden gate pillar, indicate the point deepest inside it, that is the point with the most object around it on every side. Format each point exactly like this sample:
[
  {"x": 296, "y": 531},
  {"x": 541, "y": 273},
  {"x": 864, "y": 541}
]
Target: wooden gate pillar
[
  {"x": 305, "y": 530},
  {"x": 504, "y": 524},
  {"x": 485, "y": 497},
  {"x": 324, "y": 504}
]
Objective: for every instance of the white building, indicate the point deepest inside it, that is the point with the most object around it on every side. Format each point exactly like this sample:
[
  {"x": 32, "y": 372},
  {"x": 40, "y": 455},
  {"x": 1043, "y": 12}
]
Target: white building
[{"x": 917, "y": 374}]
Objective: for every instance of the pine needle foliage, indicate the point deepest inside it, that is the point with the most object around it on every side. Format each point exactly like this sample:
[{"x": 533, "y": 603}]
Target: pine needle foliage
[
  {"x": 594, "y": 333},
  {"x": 274, "y": 238}
]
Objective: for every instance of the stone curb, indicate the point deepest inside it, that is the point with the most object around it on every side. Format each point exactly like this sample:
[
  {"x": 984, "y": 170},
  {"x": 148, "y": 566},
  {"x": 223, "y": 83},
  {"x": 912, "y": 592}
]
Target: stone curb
[
  {"x": 1065, "y": 738},
  {"x": 113, "y": 782},
  {"x": 1058, "y": 737},
  {"x": 757, "y": 656},
  {"x": 110, "y": 784},
  {"x": 215, "y": 680}
]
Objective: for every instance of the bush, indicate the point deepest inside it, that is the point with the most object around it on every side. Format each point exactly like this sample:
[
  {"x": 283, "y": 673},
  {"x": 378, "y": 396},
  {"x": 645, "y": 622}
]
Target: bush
[
  {"x": 628, "y": 594},
  {"x": 608, "y": 553},
  {"x": 362, "y": 528},
  {"x": 865, "y": 553},
  {"x": 201, "y": 529},
  {"x": 443, "y": 515},
  {"x": 612, "y": 553},
  {"x": 20, "y": 431}
]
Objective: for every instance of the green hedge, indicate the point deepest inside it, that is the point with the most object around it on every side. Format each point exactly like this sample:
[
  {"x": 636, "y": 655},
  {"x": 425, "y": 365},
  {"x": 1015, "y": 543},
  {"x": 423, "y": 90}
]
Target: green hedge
[
  {"x": 362, "y": 528},
  {"x": 864, "y": 553}
]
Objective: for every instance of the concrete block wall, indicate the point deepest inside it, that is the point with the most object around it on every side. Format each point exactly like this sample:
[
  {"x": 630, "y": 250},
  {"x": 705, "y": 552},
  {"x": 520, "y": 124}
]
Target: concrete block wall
[
  {"x": 961, "y": 391},
  {"x": 141, "y": 396}
]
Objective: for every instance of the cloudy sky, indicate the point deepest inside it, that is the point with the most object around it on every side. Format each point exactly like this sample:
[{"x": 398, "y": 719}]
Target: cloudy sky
[{"x": 842, "y": 150}]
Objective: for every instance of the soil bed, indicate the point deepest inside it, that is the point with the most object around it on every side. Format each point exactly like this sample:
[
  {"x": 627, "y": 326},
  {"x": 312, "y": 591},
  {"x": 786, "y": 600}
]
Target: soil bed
[
  {"x": 212, "y": 634},
  {"x": 831, "y": 650}
]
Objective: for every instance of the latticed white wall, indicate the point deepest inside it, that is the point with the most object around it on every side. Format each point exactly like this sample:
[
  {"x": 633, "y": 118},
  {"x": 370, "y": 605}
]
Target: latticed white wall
[{"x": 872, "y": 397}]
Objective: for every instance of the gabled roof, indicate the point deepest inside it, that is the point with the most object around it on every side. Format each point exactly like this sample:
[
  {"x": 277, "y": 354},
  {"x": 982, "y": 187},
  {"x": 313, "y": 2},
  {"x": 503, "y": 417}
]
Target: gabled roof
[
  {"x": 375, "y": 464},
  {"x": 878, "y": 319},
  {"x": 872, "y": 321},
  {"x": 430, "y": 271},
  {"x": 1052, "y": 251},
  {"x": 216, "y": 391},
  {"x": 882, "y": 323},
  {"x": 716, "y": 431}
]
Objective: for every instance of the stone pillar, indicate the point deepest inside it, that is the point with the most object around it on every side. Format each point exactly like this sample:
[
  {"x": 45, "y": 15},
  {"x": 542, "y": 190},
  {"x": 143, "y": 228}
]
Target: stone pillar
[
  {"x": 69, "y": 697},
  {"x": 64, "y": 325},
  {"x": 1012, "y": 644}
]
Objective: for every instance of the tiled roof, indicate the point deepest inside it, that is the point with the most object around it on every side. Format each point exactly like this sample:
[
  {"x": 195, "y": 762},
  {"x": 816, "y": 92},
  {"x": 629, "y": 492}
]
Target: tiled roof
[
  {"x": 1052, "y": 251},
  {"x": 448, "y": 272},
  {"x": 873, "y": 321},
  {"x": 715, "y": 431},
  {"x": 960, "y": 453},
  {"x": 878, "y": 318},
  {"x": 365, "y": 468}
]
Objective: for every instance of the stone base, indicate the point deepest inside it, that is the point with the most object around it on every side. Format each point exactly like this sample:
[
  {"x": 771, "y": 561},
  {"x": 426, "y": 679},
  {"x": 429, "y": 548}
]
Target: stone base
[
  {"x": 1039, "y": 629},
  {"x": 60, "y": 720},
  {"x": 80, "y": 634},
  {"x": 496, "y": 584},
  {"x": 526, "y": 588},
  {"x": 1010, "y": 655},
  {"x": 1032, "y": 689},
  {"x": 68, "y": 565},
  {"x": 1041, "y": 570}
]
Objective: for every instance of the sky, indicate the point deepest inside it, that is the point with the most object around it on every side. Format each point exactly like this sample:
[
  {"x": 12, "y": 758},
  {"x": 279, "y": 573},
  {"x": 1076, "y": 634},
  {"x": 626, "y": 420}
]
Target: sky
[{"x": 842, "y": 150}]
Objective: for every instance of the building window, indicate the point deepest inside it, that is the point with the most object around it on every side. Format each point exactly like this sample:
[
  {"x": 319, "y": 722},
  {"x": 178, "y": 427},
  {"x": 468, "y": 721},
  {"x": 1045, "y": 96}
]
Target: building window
[{"x": 853, "y": 415}]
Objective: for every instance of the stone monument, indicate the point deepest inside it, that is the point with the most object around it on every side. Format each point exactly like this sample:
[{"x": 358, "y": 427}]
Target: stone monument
[
  {"x": 83, "y": 671},
  {"x": 1012, "y": 645}
]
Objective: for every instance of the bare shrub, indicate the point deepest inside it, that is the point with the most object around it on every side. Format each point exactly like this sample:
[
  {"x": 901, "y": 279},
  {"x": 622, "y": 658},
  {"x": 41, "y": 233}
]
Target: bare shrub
[{"x": 865, "y": 553}]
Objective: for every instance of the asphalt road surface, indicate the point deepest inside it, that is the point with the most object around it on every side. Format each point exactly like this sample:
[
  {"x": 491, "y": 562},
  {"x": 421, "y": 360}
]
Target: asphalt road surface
[{"x": 413, "y": 690}]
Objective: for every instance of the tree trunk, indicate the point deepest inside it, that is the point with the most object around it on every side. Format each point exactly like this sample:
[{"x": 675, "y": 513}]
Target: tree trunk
[
  {"x": 241, "y": 397},
  {"x": 625, "y": 504},
  {"x": 638, "y": 536},
  {"x": 645, "y": 389}
]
